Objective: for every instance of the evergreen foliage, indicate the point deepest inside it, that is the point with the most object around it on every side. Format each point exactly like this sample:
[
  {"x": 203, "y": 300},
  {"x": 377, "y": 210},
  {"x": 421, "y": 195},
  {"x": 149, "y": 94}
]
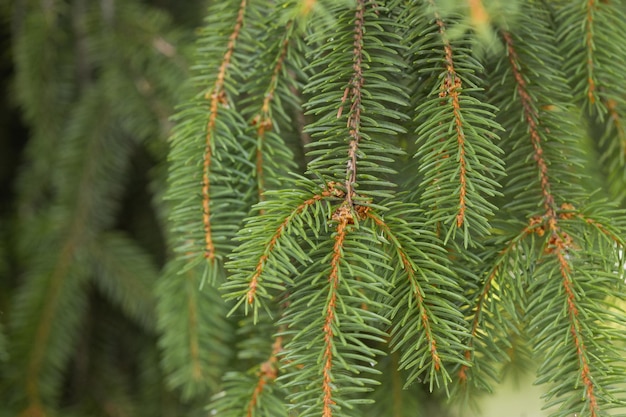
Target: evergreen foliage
[
  {"x": 371, "y": 207},
  {"x": 96, "y": 84}
]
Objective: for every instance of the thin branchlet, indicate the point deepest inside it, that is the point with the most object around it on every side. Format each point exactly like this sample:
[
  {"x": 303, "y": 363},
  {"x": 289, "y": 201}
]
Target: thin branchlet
[
  {"x": 451, "y": 87},
  {"x": 263, "y": 119},
  {"x": 267, "y": 374},
  {"x": 355, "y": 92},
  {"x": 258, "y": 270},
  {"x": 558, "y": 242},
  {"x": 589, "y": 22},
  {"x": 216, "y": 97},
  {"x": 413, "y": 279}
]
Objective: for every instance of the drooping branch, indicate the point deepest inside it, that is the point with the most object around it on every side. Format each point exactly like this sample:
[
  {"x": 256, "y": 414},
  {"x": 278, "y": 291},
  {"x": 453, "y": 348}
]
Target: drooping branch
[
  {"x": 417, "y": 292},
  {"x": 258, "y": 271},
  {"x": 451, "y": 87},
  {"x": 355, "y": 92},
  {"x": 558, "y": 242},
  {"x": 61, "y": 278},
  {"x": 263, "y": 119},
  {"x": 217, "y": 97},
  {"x": 532, "y": 120},
  {"x": 575, "y": 327},
  {"x": 485, "y": 293},
  {"x": 589, "y": 22},
  {"x": 44, "y": 327},
  {"x": 343, "y": 216},
  {"x": 268, "y": 372}
]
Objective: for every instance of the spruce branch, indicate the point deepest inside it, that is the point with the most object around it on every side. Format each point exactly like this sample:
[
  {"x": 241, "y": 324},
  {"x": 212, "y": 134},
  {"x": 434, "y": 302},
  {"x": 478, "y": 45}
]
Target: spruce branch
[
  {"x": 562, "y": 252},
  {"x": 343, "y": 216},
  {"x": 456, "y": 133},
  {"x": 217, "y": 97},
  {"x": 255, "y": 391},
  {"x": 354, "y": 90},
  {"x": 50, "y": 303},
  {"x": 249, "y": 287},
  {"x": 194, "y": 332},
  {"x": 428, "y": 328},
  {"x": 590, "y": 34},
  {"x": 531, "y": 118},
  {"x": 263, "y": 119},
  {"x": 125, "y": 273},
  {"x": 267, "y": 374},
  {"x": 481, "y": 302}
]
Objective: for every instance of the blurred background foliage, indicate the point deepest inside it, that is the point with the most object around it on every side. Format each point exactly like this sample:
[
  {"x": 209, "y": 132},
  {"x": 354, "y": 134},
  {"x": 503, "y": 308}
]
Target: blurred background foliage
[{"x": 87, "y": 89}]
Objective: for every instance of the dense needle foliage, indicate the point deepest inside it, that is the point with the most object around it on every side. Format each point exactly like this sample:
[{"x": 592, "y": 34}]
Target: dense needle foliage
[{"x": 368, "y": 207}]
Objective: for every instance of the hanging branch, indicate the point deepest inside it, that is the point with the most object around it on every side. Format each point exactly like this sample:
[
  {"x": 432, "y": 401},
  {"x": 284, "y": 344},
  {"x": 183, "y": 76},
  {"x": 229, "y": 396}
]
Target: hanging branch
[
  {"x": 559, "y": 243},
  {"x": 485, "y": 294},
  {"x": 561, "y": 253},
  {"x": 354, "y": 117},
  {"x": 590, "y": 6},
  {"x": 263, "y": 119},
  {"x": 451, "y": 87},
  {"x": 531, "y": 118},
  {"x": 456, "y": 136},
  {"x": 268, "y": 372},
  {"x": 418, "y": 292},
  {"x": 217, "y": 97},
  {"x": 251, "y": 293}
]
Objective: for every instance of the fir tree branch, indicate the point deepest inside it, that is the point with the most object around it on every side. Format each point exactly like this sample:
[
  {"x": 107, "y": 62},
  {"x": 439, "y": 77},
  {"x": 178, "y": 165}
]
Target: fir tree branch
[
  {"x": 125, "y": 273},
  {"x": 355, "y": 86},
  {"x": 590, "y": 6},
  {"x": 531, "y": 117},
  {"x": 559, "y": 242},
  {"x": 418, "y": 293},
  {"x": 456, "y": 134},
  {"x": 44, "y": 327},
  {"x": 194, "y": 332},
  {"x": 268, "y": 372},
  {"x": 342, "y": 216},
  {"x": 602, "y": 228},
  {"x": 560, "y": 249},
  {"x": 485, "y": 294},
  {"x": 263, "y": 119},
  {"x": 217, "y": 97},
  {"x": 95, "y": 161},
  {"x": 254, "y": 281},
  {"x": 450, "y": 87}
]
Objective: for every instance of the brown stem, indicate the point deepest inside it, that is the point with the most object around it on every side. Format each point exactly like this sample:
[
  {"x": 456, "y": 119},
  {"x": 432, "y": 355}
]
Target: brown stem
[
  {"x": 217, "y": 97},
  {"x": 355, "y": 91}
]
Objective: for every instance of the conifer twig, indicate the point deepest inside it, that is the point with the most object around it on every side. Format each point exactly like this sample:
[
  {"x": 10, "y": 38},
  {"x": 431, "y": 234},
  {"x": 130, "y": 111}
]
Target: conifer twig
[
  {"x": 486, "y": 291},
  {"x": 258, "y": 271},
  {"x": 531, "y": 118},
  {"x": 343, "y": 216},
  {"x": 589, "y": 21},
  {"x": 355, "y": 87},
  {"x": 217, "y": 97},
  {"x": 451, "y": 86},
  {"x": 263, "y": 119},
  {"x": 268, "y": 373},
  {"x": 417, "y": 292}
]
